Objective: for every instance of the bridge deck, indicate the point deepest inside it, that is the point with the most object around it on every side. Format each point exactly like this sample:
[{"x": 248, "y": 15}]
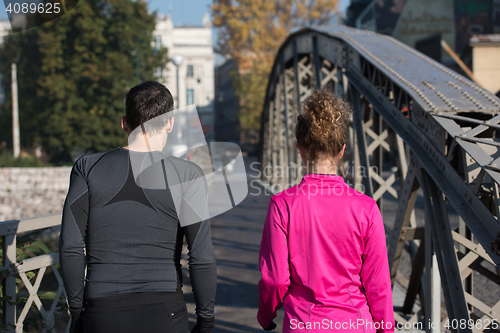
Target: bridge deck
[{"x": 236, "y": 236}]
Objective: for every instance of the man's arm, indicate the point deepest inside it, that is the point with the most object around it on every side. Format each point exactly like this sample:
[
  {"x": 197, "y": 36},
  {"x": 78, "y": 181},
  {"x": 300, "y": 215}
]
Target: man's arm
[
  {"x": 202, "y": 265},
  {"x": 71, "y": 240},
  {"x": 202, "y": 273}
]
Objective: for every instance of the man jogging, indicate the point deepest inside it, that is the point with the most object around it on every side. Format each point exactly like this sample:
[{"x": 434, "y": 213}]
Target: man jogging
[{"x": 120, "y": 243}]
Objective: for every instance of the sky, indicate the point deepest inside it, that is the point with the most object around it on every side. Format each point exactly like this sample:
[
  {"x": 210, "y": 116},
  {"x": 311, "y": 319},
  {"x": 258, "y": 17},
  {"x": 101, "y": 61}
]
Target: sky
[
  {"x": 183, "y": 11},
  {"x": 189, "y": 12}
]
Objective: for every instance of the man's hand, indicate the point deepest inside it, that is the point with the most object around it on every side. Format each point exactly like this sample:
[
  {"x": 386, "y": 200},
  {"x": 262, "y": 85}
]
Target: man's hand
[
  {"x": 271, "y": 326},
  {"x": 203, "y": 325}
]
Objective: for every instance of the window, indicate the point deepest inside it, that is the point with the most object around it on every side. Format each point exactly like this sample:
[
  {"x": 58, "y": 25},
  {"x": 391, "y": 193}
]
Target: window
[
  {"x": 220, "y": 95},
  {"x": 158, "y": 72},
  {"x": 190, "y": 71},
  {"x": 157, "y": 41},
  {"x": 189, "y": 96}
]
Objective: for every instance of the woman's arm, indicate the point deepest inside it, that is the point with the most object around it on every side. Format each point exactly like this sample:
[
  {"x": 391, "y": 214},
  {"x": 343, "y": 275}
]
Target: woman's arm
[
  {"x": 71, "y": 240},
  {"x": 375, "y": 274},
  {"x": 273, "y": 265}
]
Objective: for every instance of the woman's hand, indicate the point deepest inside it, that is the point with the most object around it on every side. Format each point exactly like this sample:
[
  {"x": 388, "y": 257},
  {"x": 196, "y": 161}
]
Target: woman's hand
[{"x": 271, "y": 326}]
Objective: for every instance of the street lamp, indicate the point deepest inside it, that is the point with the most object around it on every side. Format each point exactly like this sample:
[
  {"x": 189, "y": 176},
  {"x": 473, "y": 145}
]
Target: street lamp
[
  {"x": 15, "y": 113},
  {"x": 177, "y": 60}
]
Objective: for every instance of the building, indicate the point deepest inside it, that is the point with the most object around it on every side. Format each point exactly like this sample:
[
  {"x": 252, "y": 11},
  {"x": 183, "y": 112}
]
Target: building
[
  {"x": 4, "y": 29},
  {"x": 226, "y": 104},
  {"x": 485, "y": 64},
  {"x": 196, "y": 71},
  {"x": 410, "y": 21}
]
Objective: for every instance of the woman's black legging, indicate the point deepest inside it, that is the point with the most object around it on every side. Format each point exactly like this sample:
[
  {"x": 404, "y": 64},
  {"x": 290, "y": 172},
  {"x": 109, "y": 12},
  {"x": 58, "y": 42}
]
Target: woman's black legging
[{"x": 166, "y": 317}]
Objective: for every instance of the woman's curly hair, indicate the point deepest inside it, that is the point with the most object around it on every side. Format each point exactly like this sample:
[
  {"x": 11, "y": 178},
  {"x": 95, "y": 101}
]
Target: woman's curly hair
[{"x": 321, "y": 127}]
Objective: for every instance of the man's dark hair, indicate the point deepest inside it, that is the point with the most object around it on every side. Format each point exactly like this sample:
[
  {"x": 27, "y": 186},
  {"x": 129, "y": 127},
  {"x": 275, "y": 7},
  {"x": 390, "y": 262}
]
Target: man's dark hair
[{"x": 146, "y": 101}]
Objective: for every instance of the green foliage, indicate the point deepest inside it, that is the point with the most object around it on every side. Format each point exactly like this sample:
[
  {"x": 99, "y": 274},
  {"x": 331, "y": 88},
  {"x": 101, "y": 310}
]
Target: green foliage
[
  {"x": 6, "y": 161},
  {"x": 250, "y": 32},
  {"x": 74, "y": 73},
  {"x": 251, "y": 91},
  {"x": 4, "y": 273},
  {"x": 5, "y": 327},
  {"x": 29, "y": 246}
]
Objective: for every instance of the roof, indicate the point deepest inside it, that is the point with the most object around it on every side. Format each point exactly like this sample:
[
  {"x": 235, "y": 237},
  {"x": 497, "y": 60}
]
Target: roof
[
  {"x": 189, "y": 26},
  {"x": 485, "y": 39}
]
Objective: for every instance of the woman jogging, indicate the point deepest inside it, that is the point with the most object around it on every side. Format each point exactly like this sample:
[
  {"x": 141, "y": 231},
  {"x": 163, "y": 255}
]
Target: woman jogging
[
  {"x": 120, "y": 243},
  {"x": 323, "y": 246}
]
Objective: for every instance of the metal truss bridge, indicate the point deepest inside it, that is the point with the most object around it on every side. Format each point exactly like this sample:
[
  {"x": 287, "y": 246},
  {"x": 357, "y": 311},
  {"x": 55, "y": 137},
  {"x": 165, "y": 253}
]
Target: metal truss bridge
[{"x": 441, "y": 131}]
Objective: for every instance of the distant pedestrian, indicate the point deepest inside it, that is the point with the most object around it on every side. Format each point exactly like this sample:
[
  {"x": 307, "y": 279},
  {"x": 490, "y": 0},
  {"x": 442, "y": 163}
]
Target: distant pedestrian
[
  {"x": 120, "y": 243},
  {"x": 323, "y": 246}
]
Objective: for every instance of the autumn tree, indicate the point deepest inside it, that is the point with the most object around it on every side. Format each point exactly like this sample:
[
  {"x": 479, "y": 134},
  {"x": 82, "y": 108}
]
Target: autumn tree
[
  {"x": 250, "y": 32},
  {"x": 74, "y": 73}
]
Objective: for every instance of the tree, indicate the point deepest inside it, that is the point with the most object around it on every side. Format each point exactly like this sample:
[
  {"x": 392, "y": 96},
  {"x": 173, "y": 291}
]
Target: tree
[
  {"x": 250, "y": 32},
  {"x": 74, "y": 73}
]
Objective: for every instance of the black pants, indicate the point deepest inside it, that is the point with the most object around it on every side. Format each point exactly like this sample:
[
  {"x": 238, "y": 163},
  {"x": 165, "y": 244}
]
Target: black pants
[{"x": 166, "y": 317}]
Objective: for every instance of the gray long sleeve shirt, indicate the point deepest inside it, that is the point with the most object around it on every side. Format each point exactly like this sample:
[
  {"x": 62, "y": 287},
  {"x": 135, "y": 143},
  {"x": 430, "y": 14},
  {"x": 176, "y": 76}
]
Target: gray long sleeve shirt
[{"x": 129, "y": 237}]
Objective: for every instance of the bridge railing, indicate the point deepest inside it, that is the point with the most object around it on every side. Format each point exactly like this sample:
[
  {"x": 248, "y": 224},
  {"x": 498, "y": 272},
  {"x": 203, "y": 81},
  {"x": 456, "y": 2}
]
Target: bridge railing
[{"x": 12, "y": 266}]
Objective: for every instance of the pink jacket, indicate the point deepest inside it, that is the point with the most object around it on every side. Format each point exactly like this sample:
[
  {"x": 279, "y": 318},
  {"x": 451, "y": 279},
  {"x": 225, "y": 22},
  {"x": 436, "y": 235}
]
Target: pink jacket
[{"x": 323, "y": 249}]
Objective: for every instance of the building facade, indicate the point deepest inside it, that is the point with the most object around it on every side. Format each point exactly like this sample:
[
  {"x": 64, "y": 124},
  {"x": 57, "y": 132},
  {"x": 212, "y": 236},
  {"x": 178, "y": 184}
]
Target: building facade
[
  {"x": 485, "y": 65},
  {"x": 412, "y": 20},
  {"x": 4, "y": 29},
  {"x": 195, "y": 73},
  {"x": 226, "y": 104}
]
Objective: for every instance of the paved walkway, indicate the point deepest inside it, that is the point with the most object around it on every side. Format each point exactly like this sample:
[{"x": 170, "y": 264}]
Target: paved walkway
[{"x": 236, "y": 236}]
